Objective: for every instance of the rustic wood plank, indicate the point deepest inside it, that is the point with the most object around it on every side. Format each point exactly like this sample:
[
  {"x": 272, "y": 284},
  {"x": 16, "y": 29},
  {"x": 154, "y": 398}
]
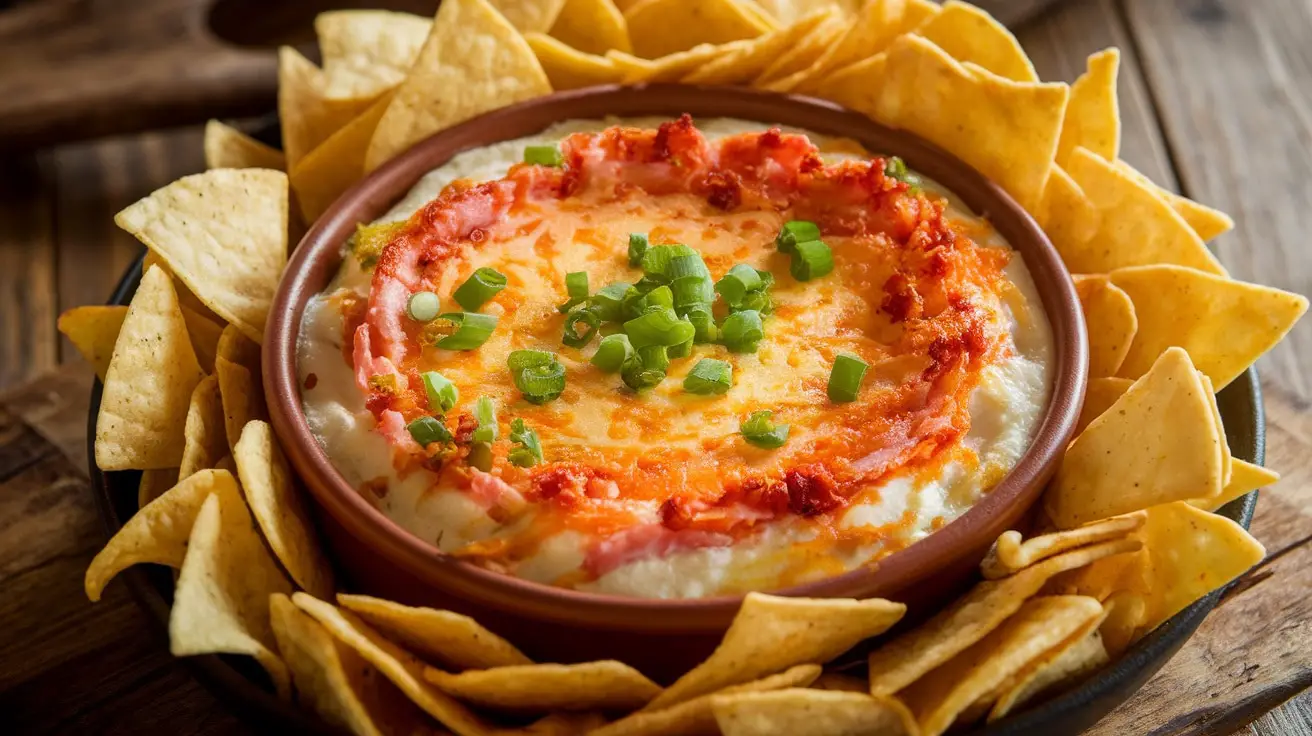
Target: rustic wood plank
[
  {"x": 28, "y": 343},
  {"x": 1294, "y": 718},
  {"x": 55, "y": 407}
]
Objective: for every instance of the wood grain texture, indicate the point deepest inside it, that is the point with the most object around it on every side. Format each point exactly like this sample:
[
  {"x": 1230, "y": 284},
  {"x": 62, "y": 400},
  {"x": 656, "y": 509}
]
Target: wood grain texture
[{"x": 27, "y": 288}]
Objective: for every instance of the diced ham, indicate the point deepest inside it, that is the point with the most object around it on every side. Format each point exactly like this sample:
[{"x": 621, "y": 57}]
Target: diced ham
[
  {"x": 489, "y": 491},
  {"x": 645, "y": 541},
  {"x": 391, "y": 425}
]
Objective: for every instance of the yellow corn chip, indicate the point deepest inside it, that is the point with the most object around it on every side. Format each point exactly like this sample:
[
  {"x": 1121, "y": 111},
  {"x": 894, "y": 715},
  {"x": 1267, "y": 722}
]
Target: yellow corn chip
[
  {"x": 676, "y": 66},
  {"x": 480, "y": 62},
  {"x": 561, "y": 724},
  {"x": 971, "y": 617},
  {"x": 1126, "y": 612},
  {"x": 1067, "y": 216},
  {"x": 446, "y": 638},
  {"x": 154, "y": 483},
  {"x": 277, "y": 506},
  {"x": 336, "y": 164},
  {"x": 1010, "y": 554},
  {"x": 205, "y": 334},
  {"x": 809, "y": 712},
  {"x": 1093, "y": 118},
  {"x": 242, "y": 396},
  {"x": 802, "y": 53},
  {"x": 785, "y": 12},
  {"x": 367, "y": 52},
  {"x": 771, "y": 634},
  {"x": 1227, "y": 461},
  {"x": 221, "y": 600},
  {"x": 235, "y": 347},
  {"x": 93, "y": 331},
  {"x": 1244, "y": 479},
  {"x": 1204, "y": 220},
  {"x": 188, "y": 300},
  {"x": 1102, "y": 393},
  {"x": 967, "y": 33},
  {"x": 206, "y": 439},
  {"x": 229, "y": 148},
  {"x": 747, "y": 63},
  {"x": 395, "y": 663},
  {"x": 308, "y": 116},
  {"x": 631, "y": 65},
  {"x": 569, "y": 68},
  {"x": 841, "y": 682},
  {"x": 592, "y": 27},
  {"x": 694, "y": 717},
  {"x": 149, "y": 382},
  {"x": 1109, "y": 314},
  {"x": 869, "y": 34},
  {"x": 224, "y": 234},
  {"x": 1060, "y": 666},
  {"x": 604, "y": 685},
  {"x": 1223, "y": 324},
  {"x": 1105, "y": 577},
  {"x": 662, "y": 27},
  {"x": 530, "y": 16},
  {"x": 1166, "y": 444}
]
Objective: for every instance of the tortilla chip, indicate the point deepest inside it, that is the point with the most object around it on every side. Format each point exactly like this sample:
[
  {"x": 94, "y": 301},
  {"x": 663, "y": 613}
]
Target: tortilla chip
[
  {"x": 661, "y": 27},
  {"x": 367, "y": 52},
  {"x": 1227, "y": 461},
  {"x": 1093, "y": 117},
  {"x": 204, "y": 333},
  {"x": 786, "y": 12},
  {"x": 481, "y": 62},
  {"x": 841, "y": 682},
  {"x": 1225, "y": 325},
  {"x": 148, "y": 384},
  {"x": 1165, "y": 443},
  {"x": 694, "y": 717},
  {"x": 158, "y": 532},
  {"x": 748, "y": 62},
  {"x": 677, "y": 66},
  {"x": 206, "y": 440},
  {"x": 235, "y": 347},
  {"x": 1037, "y": 626},
  {"x": 1204, "y": 220},
  {"x": 221, "y": 599},
  {"x": 1109, "y": 314},
  {"x": 1244, "y": 479},
  {"x": 1056, "y": 670},
  {"x": 808, "y": 712},
  {"x": 337, "y": 164},
  {"x": 242, "y": 396},
  {"x": 223, "y": 233},
  {"x": 1104, "y": 578},
  {"x": 604, "y": 685},
  {"x": 868, "y": 34},
  {"x": 154, "y": 483},
  {"x": 93, "y": 331},
  {"x": 443, "y": 637},
  {"x": 530, "y": 16},
  {"x": 278, "y": 508},
  {"x": 308, "y": 116},
  {"x": 970, "y": 618},
  {"x": 396, "y": 664},
  {"x": 631, "y": 65},
  {"x": 1010, "y": 554},
  {"x": 569, "y": 68},
  {"x": 229, "y": 148},
  {"x": 592, "y": 27},
  {"x": 1067, "y": 216},
  {"x": 1101, "y": 394},
  {"x": 967, "y": 33},
  {"x": 802, "y": 53},
  {"x": 1126, "y": 612}
]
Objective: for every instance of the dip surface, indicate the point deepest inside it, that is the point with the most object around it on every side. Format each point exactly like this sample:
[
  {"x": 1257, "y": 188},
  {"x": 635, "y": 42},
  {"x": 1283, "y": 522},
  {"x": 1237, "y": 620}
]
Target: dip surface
[{"x": 655, "y": 493}]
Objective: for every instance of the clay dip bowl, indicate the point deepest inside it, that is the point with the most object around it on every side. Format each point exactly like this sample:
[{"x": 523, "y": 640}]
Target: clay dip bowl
[{"x": 661, "y": 637}]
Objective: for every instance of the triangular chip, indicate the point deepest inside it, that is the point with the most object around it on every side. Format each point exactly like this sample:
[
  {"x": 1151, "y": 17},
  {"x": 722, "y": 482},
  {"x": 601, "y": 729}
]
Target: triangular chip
[
  {"x": 747, "y": 63},
  {"x": 307, "y": 115},
  {"x": 771, "y": 634},
  {"x": 1204, "y": 220},
  {"x": 1067, "y": 216},
  {"x": 1227, "y": 460},
  {"x": 235, "y": 347},
  {"x": 530, "y": 16},
  {"x": 802, "y": 53},
  {"x": 1127, "y": 610},
  {"x": 1163, "y": 438},
  {"x": 1011, "y": 553},
  {"x": 229, "y": 148},
  {"x": 221, "y": 600},
  {"x": 206, "y": 439},
  {"x": 970, "y": 34},
  {"x": 1109, "y": 315},
  {"x": 242, "y": 397},
  {"x": 1135, "y": 226},
  {"x": 605, "y": 685},
  {"x": 93, "y": 331},
  {"x": 661, "y": 27},
  {"x": 224, "y": 234},
  {"x": 1245, "y": 478},
  {"x": 869, "y": 33},
  {"x": 279, "y": 509},
  {"x": 204, "y": 333},
  {"x": 337, "y": 163},
  {"x": 154, "y": 483},
  {"x": 1225, "y": 325},
  {"x": 841, "y": 682},
  {"x": 148, "y": 386},
  {"x": 676, "y": 66},
  {"x": 1101, "y": 394},
  {"x": 1059, "y": 666},
  {"x": 569, "y": 68},
  {"x": 632, "y": 66},
  {"x": 592, "y": 27},
  {"x": 444, "y": 638},
  {"x": 158, "y": 532},
  {"x": 1093, "y": 118},
  {"x": 367, "y": 52},
  {"x": 809, "y": 712}
]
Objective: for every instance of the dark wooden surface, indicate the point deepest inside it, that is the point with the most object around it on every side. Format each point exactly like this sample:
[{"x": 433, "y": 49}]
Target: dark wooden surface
[{"x": 1215, "y": 98}]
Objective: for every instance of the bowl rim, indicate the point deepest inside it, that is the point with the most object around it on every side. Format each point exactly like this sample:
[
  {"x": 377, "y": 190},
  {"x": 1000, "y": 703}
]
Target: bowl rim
[{"x": 973, "y": 531}]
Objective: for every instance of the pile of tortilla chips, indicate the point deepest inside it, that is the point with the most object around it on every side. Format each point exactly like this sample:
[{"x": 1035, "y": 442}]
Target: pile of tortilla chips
[{"x": 1126, "y": 537}]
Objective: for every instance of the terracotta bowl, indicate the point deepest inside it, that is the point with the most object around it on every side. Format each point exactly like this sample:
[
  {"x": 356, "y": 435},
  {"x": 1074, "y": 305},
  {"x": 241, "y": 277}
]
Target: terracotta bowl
[{"x": 661, "y": 637}]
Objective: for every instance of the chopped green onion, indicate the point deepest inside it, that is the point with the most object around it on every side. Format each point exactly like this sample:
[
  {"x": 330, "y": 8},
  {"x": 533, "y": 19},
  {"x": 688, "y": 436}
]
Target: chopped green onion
[
  {"x": 692, "y": 291},
  {"x": 649, "y": 282},
  {"x": 760, "y": 431},
  {"x": 423, "y": 306},
  {"x": 794, "y": 232},
  {"x": 479, "y": 288},
  {"x": 613, "y": 352},
  {"x": 529, "y": 452},
  {"x": 767, "y": 279},
  {"x": 654, "y": 357},
  {"x": 703, "y": 323},
  {"x": 758, "y": 301},
  {"x": 661, "y": 296},
  {"x": 543, "y": 155},
  {"x": 637, "y": 247},
  {"x": 480, "y": 456},
  {"x": 576, "y": 283},
  {"x": 735, "y": 285},
  {"x": 587, "y": 317},
  {"x": 485, "y": 411},
  {"x": 682, "y": 350},
  {"x": 657, "y": 258},
  {"x": 637, "y": 376},
  {"x": 537, "y": 375},
  {"x": 659, "y": 327},
  {"x": 845, "y": 377},
  {"x": 472, "y": 329},
  {"x": 709, "y": 377},
  {"x": 811, "y": 260},
  {"x": 427, "y": 430},
  {"x": 896, "y": 168},
  {"x": 608, "y": 303},
  {"x": 742, "y": 332},
  {"x": 681, "y": 266},
  {"x": 442, "y": 394}
]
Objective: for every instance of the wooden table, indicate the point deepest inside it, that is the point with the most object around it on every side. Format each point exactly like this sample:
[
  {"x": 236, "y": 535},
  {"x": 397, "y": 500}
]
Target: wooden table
[{"x": 1217, "y": 104}]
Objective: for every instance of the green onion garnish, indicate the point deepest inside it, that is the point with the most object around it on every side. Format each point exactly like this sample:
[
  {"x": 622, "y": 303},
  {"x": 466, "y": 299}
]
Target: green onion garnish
[
  {"x": 654, "y": 357},
  {"x": 794, "y": 232},
  {"x": 479, "y": 288},
  {"x": 485, "y": 411},
  {"x": 480, "y": 456},
  {"x": 637, "y": 247},
  {"x": 537, "y": 375},
  {"x": 543, "y": 155},
  {"x": 845, "y": 377},
  {"x": 529, "y": 452},
  {"x": 742, "y": 332},
  {"x": 656, "y": 260},
  {"x": 608, "y": 303},
  {"x": 709, "y": 377},
  {"x": 735, "y": 285},
  {"x": 637, "y": 376},
  {"x": 703, "y": 323},
  {"x": 811, "y": 260},
  {"x": 576, "y": 283},
  {"x": 760, "y": 431},
  {"x": 682, "y": 350},
  {"x": 896, "y": 168},
  {"x": 472, "y": 329},
  {"x": 423, "y": 306},
  {"x": 661, "y": 297},
  {"x": 427, "y": 430},
  {"x": 442, "y": 394},
  {"x": 612, "y": 353},
  {"x": 659, "y": 327},
  {"x": 583, "y": 316}
]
